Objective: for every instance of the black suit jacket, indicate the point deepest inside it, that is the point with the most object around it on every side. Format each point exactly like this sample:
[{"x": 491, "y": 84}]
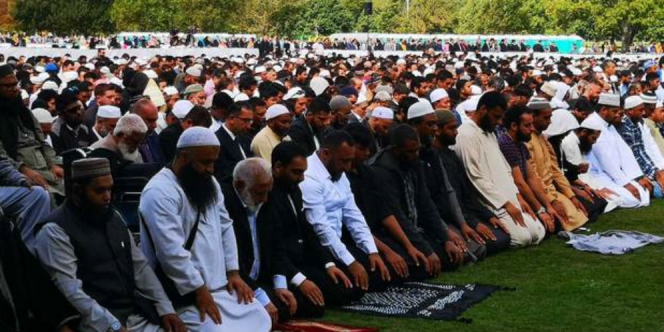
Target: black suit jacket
[
  {"x": 296, "y": 236},
  {"x": 168, "y": 140},
  {"x": 302, "y": 134},
  {"x": 230, "y": 155},
  {"x": 271, "y": 252}
]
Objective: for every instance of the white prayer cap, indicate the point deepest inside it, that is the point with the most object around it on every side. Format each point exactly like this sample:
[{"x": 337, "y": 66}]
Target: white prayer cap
[
  {"x": 294, "y": 93},
  {"x": 536, "y": 72},
  {"x": 252, "y": 62},
  {"x": 549, "y": 88},
  {"x": 419, "y": 109},
  {"x": 382, "y": 96},
  {"x": 170, "y": 90},
  {"x": 50, "y": 85},
  {"x": 275, "y": 111},
  {"x": 632, "y": 102},
  {"x": 538, "y": 104},
  {"x": 277, "y": 68},
  {"x": 105, "y": 70},
  {"x": 648, "y": 98},
  {"x": 109, "y": 112},
  {"x": 319, "y": 84},
  {"x": 116, "y": 81},
  {"x": 459, "y": 65},
  {"x": 40, "y": 69},
  {"x": 24, "y": 94},
  {"x": 120, "y": 62},
  {"x": 193, "y": 71},
  {"x": 362, "y": 98},
  {"x": 43, "y": 116},
  {"x": 382, "y": 113},
  {"x": 598, "y": 69},
  {"x": 659, "y": 104},
  {"x": 241, "y": 97},
  {"x": 475, "y": 90},
  {"x": 592, "y": 124},
  {"x": 562, "y": 121},
  {"x": 577, "y": 72},
  {"x": 325, "y": 73},
  {"x": 259, "y": 70},
  {"x": 609, "y": 99},
  {"x": 36, "y": 79},
  {"x": 197, "y": 136},
  {"x": 69, "y": 76},
  {"x": 90, "y": 66},
  {"x": 181, "y": 108},
  {"x": 437, "y": 95},
  {"x": 401, "y": 62},
  {"x": 470, "y": 105},
  {"x": 151, "y": 74}
]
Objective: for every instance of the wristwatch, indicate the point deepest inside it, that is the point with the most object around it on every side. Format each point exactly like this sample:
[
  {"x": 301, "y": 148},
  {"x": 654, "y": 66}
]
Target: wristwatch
[
  {"x": 115, "y": 327},
  {"x": 541, "y": 210}
]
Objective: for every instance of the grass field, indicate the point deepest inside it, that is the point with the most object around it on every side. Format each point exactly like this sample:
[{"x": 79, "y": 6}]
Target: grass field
[{"x": 558, "y": 288}]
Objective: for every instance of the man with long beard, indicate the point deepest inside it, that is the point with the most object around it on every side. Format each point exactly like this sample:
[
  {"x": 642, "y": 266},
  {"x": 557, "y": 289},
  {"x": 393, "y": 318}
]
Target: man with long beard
[
  {"x": 183, "y": 204},
  {"x": 93, "y": 260}
]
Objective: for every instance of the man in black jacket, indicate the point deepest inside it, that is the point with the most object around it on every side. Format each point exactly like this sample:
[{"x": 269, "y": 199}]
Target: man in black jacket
[
  {"x": 401, "y": 175},
  {"x": 309, "y": 271},
  {"x": 259, "y": 251},
  {"x": 195, "y": 116},
  {"x": 235, "y": 142},
  {"x": 73, "y": 133},
  {"x": 307, "y": 130}
]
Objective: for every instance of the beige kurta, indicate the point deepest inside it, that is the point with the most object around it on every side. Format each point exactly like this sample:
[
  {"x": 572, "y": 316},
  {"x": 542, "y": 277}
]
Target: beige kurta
[
  {"x": 556, "y": 186},
  {"x": 264, "y": 142},
  {"x": 492, "y": 177},
  {"x": 656, "y": 134}
]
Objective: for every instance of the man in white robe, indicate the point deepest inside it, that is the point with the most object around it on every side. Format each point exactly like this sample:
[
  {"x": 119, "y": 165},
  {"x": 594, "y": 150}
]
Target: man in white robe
[
  {"x": 170, "y": 206},
  {"x": 490, "y": 173}
]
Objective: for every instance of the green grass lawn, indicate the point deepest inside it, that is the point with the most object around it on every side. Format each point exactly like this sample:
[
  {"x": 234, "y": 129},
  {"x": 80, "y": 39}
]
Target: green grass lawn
[{"x": 558, "y": 288}]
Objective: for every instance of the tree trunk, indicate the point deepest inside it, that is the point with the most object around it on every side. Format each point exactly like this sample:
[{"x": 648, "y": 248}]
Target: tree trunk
[{"x": 627, "y": 36}]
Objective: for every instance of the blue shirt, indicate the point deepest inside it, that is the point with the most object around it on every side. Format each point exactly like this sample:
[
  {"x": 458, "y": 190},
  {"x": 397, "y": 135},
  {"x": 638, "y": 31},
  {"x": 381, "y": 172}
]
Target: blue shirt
[{"x": 633, "y": 136}]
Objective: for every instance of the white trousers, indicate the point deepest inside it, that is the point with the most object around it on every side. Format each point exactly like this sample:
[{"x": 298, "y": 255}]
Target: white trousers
[
  {"x": 234, "y": 317},
  {"x": 520, "y": 236}
]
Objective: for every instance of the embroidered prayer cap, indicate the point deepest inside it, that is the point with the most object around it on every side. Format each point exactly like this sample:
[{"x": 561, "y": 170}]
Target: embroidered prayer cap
[
  {"x": 193, "y": 71},
  {"x": 419, "y": 109},
  {"x": 275, "y": 111},
  {"x": 538, "y": 104},
  {"x": 194, "y": 88},
  {"x": 170, "y": 90},
  {"x": 609, "y": 99},
  {"x": 383, "y": 113},
  {"x": 43, "y": 116},
  {"x": 549, "y": 88},
  {"x": 632, "y": 102},
  {"x": 90, "y": 168},
  {"x": 196, "y": 137},
  {"x": 181, "y": 108},
  {"x": 648, "y": 98},
  {"x": 382, "y": 96},
  {"x": 444, "y": 117},
  {"x": 437, "y": 95},
  {"x": 109, "y": 112}
]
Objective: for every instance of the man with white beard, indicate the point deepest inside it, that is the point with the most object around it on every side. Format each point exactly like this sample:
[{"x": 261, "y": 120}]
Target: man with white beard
[{"x": 121, "y": 148}]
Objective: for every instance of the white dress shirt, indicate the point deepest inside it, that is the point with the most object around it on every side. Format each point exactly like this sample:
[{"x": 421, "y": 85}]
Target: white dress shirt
[{"x": 329, "y": 205}]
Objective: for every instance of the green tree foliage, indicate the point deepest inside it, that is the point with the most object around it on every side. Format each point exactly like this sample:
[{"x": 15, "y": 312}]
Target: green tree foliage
[{"x": 64, "y": 16}]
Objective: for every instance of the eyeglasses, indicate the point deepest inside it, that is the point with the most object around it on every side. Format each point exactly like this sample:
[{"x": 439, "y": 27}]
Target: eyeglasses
[{"x": 246, "y": 120}]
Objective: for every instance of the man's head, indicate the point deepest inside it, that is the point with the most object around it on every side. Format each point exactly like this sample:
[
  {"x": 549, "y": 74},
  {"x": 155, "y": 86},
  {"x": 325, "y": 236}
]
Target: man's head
[
  {"x": 634, "y": 108},
  {"x": 341, "y": 108},
  {"x": 362, "y": 137},
  {"x": 278, "y": 119},
  {"x": 588, "y": 134},
  {"x": 657, "y": 114},
  {"x": 289, "y": 162},
  {"x": 197, "y": 117},
  {"x": 592, "y": 92},
  {"x": 107, "y": 118},
  {"x": 337, "y": 152},
  {"x": 240, "y": 118},
  {"x": 92, "y": 186},
  {"x": 440, "y": 99},
  {"x": 447, "y": 128},
  {"x": 197, "y": 151},
  {"x": 542, "y": 113},
  {"x": 8, "y": 83},
  {"x": 221, "y": 104},
  {"x": 146, "y": 109},
  {"x": 195, "y": 94},
  {"x": 105, "y": 94},
  {"x": 422, "y": 118},
  {"x": 405, "y": 144},
  {"x": 519, "y": 123},
  {"x": 652, "y": 80},
  {"x": 171, "y": 95},
  {"x": 490, "y": 109},
  {"x": 382, "y": 118},
  {"x": 129, "y": 134},
  {"x": 252, "y": 179},
  {"x": 70, "y": 108},
  {"x": 318, "y": 114},
  {"x": 44, "y": 118}
]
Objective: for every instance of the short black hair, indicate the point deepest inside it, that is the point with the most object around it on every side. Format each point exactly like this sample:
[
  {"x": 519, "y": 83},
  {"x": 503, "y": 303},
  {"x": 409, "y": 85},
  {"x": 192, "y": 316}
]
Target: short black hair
[
  {"x": 513, "y": 115},
  {"x": 236, "y": 108},
  {"x": 336, "y": 139},
  {"x": 65, "y": 99},
  {"x": 286, "y": 151},
  {"x": 246, "y": 82},
  {"x": 492, "y": 99},
  {"x": 402, "y": 133},
  {"x": 199, "y": 116},
  {"x": 222, "y": 100},
  {"x": 319, "y": 105},
  {"x": 360, "y": 134}
]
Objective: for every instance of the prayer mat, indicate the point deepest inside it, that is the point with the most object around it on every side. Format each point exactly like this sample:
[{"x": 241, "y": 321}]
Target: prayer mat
[
  {"x": 423, "y": 300},
  {"x": 307, "y": 326}
]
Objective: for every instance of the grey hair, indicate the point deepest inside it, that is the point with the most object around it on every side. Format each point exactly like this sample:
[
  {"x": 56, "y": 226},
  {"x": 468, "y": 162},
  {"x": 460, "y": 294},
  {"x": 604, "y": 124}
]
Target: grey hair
[
  {"x": 129, "y": 124},
  {"x": 249, "y": 169}
]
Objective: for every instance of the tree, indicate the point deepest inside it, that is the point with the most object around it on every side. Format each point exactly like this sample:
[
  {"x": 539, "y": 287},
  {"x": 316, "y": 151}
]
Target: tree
[
  {"x": 144, "y": 15},
  {"x": 64, "y": 16}
]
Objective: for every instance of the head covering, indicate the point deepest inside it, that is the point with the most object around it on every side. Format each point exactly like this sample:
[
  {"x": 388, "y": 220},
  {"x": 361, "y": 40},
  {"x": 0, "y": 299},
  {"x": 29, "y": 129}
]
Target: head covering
[
  {"x": 109, "y": 112},
  {"x": 420, "y": 109},
  {"x": 338, "y": 102},
  {"x": 275, "y": 111},
  {"x": 197, "y": 136},
  {"x": 51, "y": 68},
  {"x": 348, "y": 91},
  {"x": 69, "y": 76},
  {"x": 181, "y": 108},
  {"x": 193, "y": 71},
  {"x": 170, "y": 90},
  {"x": 475, "y": 90},
  {"x": 632, "y": 102},
  {"x": 90, "y": 168},
  {"x": 562, "y": 121},
  {"x": 361, "y": 99},
  {"x": 609, "y": 99},
  {"x": 319, "y": 84},
  {"x": 659, "y": 104},
  {"x": 470, "y": 105},
  {"x": 24, "y": 94},
  {"x": 294, "y": 93},
  {"x": 50, "y": 85},
  {"x": 549, "y": 88},
  {"x": 592, "y": 124},
  {"x": 194, "y": 88},
  {"x": 648, "y": 98},
  {"x": 382, "y": 113},
  {"x": 538, "y": 104},
  {"x": 385, "y": 88},
  {"x": 444, "y": 117},
  {"x": 382, "y": 96},
  {"x": 43, "y": 115},
  {"x": 437, "y": 95}
]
